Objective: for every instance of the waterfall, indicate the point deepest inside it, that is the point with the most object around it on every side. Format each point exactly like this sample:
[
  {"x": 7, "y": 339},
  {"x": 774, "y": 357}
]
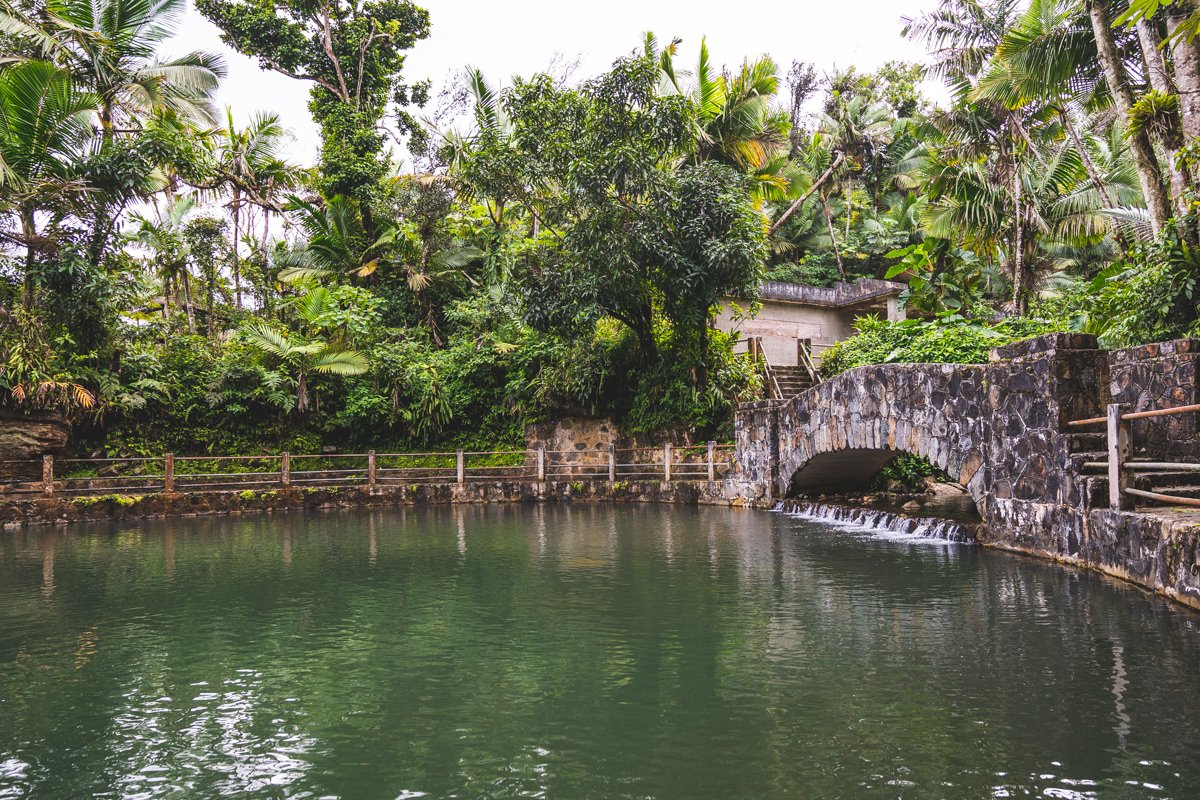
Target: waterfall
[{"x": 882, "y": 521}]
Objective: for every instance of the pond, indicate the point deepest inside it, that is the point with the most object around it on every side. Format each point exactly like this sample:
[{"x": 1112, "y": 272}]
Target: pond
[{"x": 577, "y": 652}]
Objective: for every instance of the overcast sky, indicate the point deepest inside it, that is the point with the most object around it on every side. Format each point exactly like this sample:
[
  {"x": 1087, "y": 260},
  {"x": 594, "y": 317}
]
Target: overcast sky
[{"x": 519, "y": 37}]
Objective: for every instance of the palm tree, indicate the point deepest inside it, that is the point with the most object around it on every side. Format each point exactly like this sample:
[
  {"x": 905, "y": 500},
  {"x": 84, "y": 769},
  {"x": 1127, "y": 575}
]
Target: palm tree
[
  {"x": 255, "y": 173},
  {"x": 1052, "y": 60},
  {"x": 308, "y": 353},
  {"x": 45, "y": 127},
  {"x": 335, "y": 243},
  {"x": 163, "y": 235},
  {"x": 110, "y": 46},
  {"x": 737, "y": 122},
  {"x": 962, "y": 36}
]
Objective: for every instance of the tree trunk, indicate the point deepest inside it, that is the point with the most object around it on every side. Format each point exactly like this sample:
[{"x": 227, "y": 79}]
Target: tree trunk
[
  {"x": 302, "y": 393},
  {"x": 1152, "y": 57},
  {"x": 210, "y": 280},
  {"x": 1018, "y": 269},
  {"x": 29, "y": 234},
  {"x": 1185, "y": 58},
  {"x": 645, "y": 333},
  {"x": 837, "y": 162},
  {"x": 265, "y": 289},
  {"x": 833, "y": 238},
  {"x": 849, "y": 211},
  {"x": 1092, "y": 172},
  {"x": 187, "y": 301},
  {"x": 237, "y": 267},
  {"x": 1149, "y": 173},
  {"x": 1160, "y": 81}
]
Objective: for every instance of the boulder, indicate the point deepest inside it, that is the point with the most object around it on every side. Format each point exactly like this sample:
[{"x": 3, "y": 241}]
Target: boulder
[{"x": 25, "y": 439}]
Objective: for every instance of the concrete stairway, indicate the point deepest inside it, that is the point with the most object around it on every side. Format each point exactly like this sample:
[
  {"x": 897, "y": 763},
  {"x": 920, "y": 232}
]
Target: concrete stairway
[
  {"x": 792, "y": 381},
  {"x": 1090, "y": 447}
]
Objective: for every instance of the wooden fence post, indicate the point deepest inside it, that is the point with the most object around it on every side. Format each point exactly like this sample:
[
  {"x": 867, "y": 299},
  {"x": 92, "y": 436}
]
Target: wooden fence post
[
  {"x": 285, "y": 469},
  {"x": 1120, "y": 448},
  {"x": 667, "y": 462},
  {"x": 169, "y": 473},
  {"x": 47, "y": 474},
  {"x": 541, "y": 465},
  {"x": 462, "y": 468},
  {"x": 371, "y": 468},
  {"x": 712, "y": 466},
  {"x": 612, "y": 464}
]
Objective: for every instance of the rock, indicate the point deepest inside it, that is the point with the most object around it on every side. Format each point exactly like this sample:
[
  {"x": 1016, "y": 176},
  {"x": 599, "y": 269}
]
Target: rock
[
  {"x": 936, "y": 489},
  {"x": 27, "y": 439}
]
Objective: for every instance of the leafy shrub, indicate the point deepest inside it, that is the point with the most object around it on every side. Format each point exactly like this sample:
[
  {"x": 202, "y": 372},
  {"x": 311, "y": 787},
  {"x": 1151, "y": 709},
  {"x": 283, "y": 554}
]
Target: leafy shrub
[
  {"x": 667, "y": 396},
  {"x": 949, "y": 339},
  {"x": 1135, "y": 303},
  {"x": 907, "y": 473}
]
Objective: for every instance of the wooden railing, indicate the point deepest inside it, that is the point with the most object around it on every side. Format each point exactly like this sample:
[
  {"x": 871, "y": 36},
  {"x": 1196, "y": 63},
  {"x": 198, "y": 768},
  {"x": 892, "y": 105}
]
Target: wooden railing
[
  {"x": 754, "y": 343},
  {"x": 169, "y": 473},
  {"x": 805, "y": 360},
  {"x": 1120, "y": 465}
]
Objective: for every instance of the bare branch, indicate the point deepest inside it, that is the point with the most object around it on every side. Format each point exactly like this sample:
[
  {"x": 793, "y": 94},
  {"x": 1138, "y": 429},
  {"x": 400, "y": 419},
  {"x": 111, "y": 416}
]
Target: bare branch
[{"x": 837, "y": 162}]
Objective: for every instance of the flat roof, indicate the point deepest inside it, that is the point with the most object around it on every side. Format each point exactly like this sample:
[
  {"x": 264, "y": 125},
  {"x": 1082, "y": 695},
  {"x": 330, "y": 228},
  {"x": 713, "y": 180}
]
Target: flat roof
[{"x": 840, "y": 295}]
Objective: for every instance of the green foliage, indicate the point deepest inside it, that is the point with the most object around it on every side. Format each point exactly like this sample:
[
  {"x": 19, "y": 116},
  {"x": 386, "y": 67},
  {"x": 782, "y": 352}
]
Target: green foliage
[
  {"x": 1149, "y": 296},
  {"x": 941, "y": 279},
  {"x": 907, "y": 473},
  {"x": 116, "y": 500},
  {"x": 564, "y": 255},
  {"x": 631, "y": 233},
  {"x": 666, "y": 397},
  {"x": 353, "y": 53},
  {"x": 950, "y": 339}
]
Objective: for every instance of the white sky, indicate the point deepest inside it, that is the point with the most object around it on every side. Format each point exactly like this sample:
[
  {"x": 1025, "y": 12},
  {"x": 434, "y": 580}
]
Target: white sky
[{"x": 520, "y": 37}]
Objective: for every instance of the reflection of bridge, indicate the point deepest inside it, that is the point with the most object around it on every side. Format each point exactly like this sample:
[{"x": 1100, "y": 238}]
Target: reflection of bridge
[{"x": 999, "y": 429}]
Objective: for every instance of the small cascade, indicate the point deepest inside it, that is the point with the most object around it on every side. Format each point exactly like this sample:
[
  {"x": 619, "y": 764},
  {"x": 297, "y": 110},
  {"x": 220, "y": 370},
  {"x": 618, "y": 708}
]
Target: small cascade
[{"x": 873, "y": 519}]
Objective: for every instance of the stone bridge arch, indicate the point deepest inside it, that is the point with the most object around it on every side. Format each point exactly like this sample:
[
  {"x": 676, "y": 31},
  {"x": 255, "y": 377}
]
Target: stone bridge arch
[
  {"x": 999, "y": 429},
  {"x": 842, "y": 432}
]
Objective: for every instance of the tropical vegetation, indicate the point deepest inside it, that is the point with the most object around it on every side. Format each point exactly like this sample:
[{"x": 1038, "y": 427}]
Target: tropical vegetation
[{"x": 450, "y": 270}]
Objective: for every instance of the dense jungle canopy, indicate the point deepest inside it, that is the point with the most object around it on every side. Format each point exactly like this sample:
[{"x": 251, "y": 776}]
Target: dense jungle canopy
[{"x": 170, "y": 281}]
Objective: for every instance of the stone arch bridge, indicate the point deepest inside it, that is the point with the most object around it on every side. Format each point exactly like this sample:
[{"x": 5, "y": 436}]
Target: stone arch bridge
[{"x": 1000, "y": 429}]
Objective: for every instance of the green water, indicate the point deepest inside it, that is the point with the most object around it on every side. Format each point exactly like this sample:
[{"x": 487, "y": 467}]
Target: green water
[{"x": 577, "y": 652}]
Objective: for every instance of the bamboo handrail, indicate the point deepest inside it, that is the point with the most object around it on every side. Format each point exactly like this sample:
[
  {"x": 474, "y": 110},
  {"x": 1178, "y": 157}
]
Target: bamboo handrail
[
  {"x": 1169, "y": 499},
  {"x": 1133, "y": 415},
  {"x": 1143, "y": 466},
  {"x": 803, "y": 350}
]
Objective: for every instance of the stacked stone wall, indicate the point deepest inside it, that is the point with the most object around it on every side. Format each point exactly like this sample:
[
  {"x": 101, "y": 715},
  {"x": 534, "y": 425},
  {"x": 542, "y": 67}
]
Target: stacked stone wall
[
  {"x": 1163, "y": 375},
  {"x": 1001, "y": 429}
]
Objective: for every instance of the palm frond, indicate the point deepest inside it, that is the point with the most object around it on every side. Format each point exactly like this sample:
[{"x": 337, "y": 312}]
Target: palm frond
[{"x": 341, "y": 362}]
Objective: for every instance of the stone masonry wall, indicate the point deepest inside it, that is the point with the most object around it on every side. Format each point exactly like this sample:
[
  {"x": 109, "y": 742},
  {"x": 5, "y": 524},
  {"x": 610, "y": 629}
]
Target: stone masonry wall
[
  {"x": 1163, "y": 375},
  {"x": 998, "y": 428},
  {"x": 1001, "y": 429}
]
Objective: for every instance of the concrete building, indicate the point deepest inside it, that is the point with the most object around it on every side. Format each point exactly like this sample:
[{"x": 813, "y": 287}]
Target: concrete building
[{"x": 791, "y": 312}]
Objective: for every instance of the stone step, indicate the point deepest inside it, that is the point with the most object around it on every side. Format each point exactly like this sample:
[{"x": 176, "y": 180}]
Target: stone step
[
  {"x": 1087, "y": 442},
  {"x": 1178, "y": 483},
  {"x": 1165, "y": 479}
]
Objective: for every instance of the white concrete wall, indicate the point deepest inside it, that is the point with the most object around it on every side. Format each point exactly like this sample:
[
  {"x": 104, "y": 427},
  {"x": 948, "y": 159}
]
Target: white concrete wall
[{"x": 781, "y": 324}]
